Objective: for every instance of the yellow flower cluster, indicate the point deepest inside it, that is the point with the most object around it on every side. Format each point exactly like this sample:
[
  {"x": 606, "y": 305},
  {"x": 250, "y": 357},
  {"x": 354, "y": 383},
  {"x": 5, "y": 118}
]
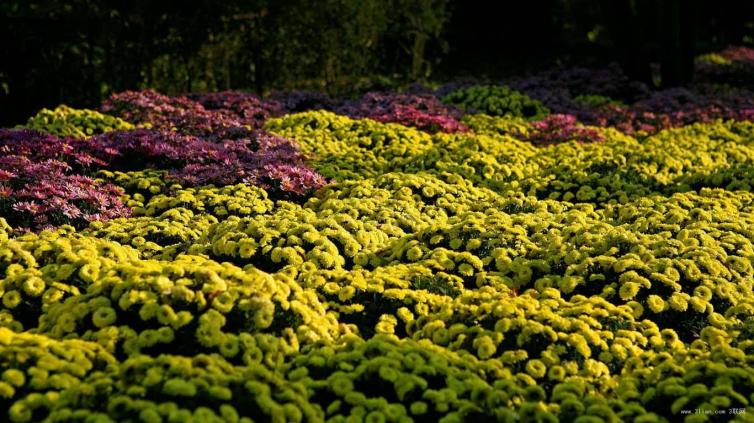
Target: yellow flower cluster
[
  {"x": 347, "y": 224},
  {"x": 38, "y": 373},
  {"x": 39, "y": 271},
  {"x": 74, "y": 380},
  {"x": 538, "y": 334},
  {"x": 667, "y": 263},
  {"x": 384, "y": 379},
  {"x": 5, "y": 230},
  {"x": 496, "y": 125},
  {"x": 169, "y": 223},
  {"x": 344, "y": 148},
  {"x": 232, "y": 200},
  {"x": 497, "y": 162},
  {"x": 65, "y": 121},
  {"x": 140, "y": 185},
  {"x": 712, "y": 373},
  {"x": 293, "y": 235},
  {"x": 619, "y": 169},
  {"x": 161, "y": 237},
  {"x": 193, "y": 304},
  {"x": 383, "y": 300},
  {"x": 623, "y": 168},
  {"x": 407, "y": 201}
]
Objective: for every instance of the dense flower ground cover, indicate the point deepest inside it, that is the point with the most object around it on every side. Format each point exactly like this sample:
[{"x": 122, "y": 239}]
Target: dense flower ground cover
[{"x": 566, "y": 246}]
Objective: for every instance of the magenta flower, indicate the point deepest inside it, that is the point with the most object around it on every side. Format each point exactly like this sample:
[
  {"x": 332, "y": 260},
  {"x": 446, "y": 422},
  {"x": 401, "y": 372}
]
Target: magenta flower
[{"x": 559, "y": 128}]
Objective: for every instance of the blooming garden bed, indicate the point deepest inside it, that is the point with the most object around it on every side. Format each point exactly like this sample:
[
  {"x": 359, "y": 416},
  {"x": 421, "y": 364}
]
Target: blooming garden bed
[{"x": 562, "y": 247}]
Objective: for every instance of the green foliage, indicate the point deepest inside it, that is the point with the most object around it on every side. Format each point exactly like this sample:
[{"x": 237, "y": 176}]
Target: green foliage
[
  {"x": 495, "y": 125},
  {"x": 497, "y": 100},
  {"x": 338, "y": 44},
  {"x": 595, "y": 100}
]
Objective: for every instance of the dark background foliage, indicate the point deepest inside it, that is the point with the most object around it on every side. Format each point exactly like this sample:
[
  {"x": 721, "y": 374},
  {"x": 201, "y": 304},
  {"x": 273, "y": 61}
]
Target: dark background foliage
[{"x": 77, "y": 52}]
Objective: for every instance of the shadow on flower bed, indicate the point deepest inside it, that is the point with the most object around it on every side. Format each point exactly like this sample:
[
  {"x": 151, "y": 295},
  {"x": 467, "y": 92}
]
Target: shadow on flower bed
[
  {"x": 301, "y": 101},
  {"x": 422, "y": 111},
  {"x": 678, "y": 107},
  {"x": 248, "y": 108},
  {"x": 733, "y": 65}
]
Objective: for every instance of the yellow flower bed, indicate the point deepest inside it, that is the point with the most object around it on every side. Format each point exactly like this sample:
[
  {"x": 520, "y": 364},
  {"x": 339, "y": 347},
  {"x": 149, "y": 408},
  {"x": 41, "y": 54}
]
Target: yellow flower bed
[
  {"x": 344, "y": 148},
  {"x": 447, "y": 277}
]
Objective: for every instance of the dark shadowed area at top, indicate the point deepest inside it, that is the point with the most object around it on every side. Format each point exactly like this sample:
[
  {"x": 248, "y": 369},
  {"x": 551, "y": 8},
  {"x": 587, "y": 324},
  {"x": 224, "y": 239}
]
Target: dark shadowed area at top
[{"x": 79, "y": 52}]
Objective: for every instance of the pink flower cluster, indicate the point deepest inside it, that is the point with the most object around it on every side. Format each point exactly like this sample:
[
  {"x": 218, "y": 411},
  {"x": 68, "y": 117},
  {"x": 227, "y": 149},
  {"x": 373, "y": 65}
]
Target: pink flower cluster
[
  {"x": 555, "y": 129},
  {"x": 420, "y": 108},
  {"x": 248, "y": 108},
  {"x": 739, "y": 54},
  {"x": 177, "y": 113},
  {"x": 265, "y": 160},
  {"x": 208, "y": 139},
  {"x": 41, "y": 187},
  {"x": 38, "y": 146},
  {"x": 45, "y": 180},
  {"x": 422, "y": 111}
]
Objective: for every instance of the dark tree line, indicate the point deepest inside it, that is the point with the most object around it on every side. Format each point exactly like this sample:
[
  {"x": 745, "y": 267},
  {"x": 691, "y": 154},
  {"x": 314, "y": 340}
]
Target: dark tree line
[
  {"x": 79, "y": 51},
  {"x": 644, "y": 29}
]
